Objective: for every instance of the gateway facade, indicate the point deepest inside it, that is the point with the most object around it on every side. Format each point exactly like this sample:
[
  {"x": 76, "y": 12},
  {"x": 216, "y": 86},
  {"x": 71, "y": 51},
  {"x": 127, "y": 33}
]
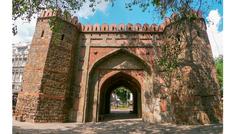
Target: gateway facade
[{"x": 72, "y": 71}]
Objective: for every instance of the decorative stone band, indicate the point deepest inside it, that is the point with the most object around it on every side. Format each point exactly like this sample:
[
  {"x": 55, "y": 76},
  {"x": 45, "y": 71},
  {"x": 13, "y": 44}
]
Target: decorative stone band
[
  {"x": 112, "y": 27},
  {"x": 42, "y": 95}
]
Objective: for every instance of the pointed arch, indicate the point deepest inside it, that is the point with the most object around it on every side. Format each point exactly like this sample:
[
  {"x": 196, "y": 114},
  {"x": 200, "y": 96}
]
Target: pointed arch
[
  {"x": 127, "y": 61},
  {"x": 119, "y": 51},
  {"x": 117, "y": 80}
]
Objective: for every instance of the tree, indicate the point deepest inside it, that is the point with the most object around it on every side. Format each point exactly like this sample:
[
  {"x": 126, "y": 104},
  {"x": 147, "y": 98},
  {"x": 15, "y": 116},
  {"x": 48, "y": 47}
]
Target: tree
[
  {"x": 219, "y": 68},
  {"x": 122, "y": 93},
  {"x": 25, "y": 9}
]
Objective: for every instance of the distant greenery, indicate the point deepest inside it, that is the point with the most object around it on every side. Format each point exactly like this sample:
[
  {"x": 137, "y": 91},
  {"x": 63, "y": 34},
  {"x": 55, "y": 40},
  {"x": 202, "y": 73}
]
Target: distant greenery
[
  {"x": 219, "y": 68},
  {"x": 122, "y": 93},
  {"x": 122, "y": 107}
]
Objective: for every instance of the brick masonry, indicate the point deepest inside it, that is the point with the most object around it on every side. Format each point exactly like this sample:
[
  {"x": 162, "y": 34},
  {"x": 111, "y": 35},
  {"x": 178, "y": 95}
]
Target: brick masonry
[{"x": 70, "y": 72}]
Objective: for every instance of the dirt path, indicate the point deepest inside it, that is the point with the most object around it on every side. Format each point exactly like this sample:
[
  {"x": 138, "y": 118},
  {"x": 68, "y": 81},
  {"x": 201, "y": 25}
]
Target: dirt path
[{"x": 124, "y": 126}]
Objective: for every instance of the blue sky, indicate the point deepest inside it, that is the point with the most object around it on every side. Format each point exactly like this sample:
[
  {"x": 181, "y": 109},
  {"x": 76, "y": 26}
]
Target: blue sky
[
  {"x": 106, "y": 13},
  {"x": 119, "y": 14}
]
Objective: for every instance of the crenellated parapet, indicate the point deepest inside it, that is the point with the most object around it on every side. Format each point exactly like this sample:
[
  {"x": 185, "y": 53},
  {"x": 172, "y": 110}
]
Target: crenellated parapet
[
  {"x": 113, "y": 27},
  {"x": 66, "y": 16},
  {"x": 134, "y": 27},
  {"x": 123, "y": 28}
]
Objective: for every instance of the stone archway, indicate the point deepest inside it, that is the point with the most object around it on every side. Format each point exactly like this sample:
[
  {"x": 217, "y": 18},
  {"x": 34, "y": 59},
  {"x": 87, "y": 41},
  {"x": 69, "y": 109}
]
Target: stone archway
[
  {"x": 118, "y": 80},
  {"x": 122, "y": 66}
]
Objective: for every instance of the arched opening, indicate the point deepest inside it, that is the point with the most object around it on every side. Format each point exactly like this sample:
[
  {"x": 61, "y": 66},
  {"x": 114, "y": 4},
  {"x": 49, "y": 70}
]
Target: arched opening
[
  {"x": 109, "y": 73},
  {"x": 121, "y": 100},
  {"x": 109, "y": 86}
]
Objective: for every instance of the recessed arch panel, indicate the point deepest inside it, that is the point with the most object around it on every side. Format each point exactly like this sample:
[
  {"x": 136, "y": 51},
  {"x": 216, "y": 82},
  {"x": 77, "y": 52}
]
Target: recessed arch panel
[{"x": 132, "y": 72}]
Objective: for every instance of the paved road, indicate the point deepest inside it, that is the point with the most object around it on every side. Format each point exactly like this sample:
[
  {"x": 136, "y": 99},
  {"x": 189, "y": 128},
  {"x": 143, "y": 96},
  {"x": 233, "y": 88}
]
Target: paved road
[{"x": 122, "y": 126}]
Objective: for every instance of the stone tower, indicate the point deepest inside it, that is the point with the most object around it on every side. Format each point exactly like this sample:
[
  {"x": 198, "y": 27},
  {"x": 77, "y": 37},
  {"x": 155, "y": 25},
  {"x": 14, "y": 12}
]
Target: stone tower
[
  {"x": 47, "y": 79},
  {"x": 72, "y": 71}
]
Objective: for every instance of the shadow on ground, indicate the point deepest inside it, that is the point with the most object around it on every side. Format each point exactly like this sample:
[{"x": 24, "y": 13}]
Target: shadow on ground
[
  {"x": 131, "y": 126},
  {"x": 119, "y": 115}
]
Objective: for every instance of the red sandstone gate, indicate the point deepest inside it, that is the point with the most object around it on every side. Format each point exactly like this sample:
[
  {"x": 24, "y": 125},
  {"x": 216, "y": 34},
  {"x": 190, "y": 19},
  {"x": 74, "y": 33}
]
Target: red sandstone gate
[{"x": 71, "y": 72}]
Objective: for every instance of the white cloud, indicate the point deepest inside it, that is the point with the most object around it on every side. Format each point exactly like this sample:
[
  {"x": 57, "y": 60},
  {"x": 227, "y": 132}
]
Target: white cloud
[
  {"x": 85, "y": 11},
  {"x": 215, "y": 37},
  {"x": 26, "y": 29}
]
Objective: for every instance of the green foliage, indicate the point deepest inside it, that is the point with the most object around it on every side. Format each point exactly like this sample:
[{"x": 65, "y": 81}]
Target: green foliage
[
  {"x": 166, "y": 7},
  {"x": 219, "y": 68},
  {"x": 26, "y": 9},
  {"x": 122, "y": 93},
  {"x": 57, "y": 25},
  {"x": 169, "y": 59}
]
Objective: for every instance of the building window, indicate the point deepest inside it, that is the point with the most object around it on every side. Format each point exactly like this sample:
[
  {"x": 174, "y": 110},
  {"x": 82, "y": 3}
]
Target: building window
[
  {"x": 178, "y": 37},
  {"x": 198, "y": 33},
  {"x": 42, "y": 33},
  {"x": 44, "y": 13},
  {"x": 13, "y": 76},
  {"x": 20, "y": 78},
  {"x": 62, "y": 37}
]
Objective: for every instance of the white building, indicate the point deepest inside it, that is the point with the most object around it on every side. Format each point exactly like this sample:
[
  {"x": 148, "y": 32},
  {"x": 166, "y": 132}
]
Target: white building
[{"x": 19, "y": 59}]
